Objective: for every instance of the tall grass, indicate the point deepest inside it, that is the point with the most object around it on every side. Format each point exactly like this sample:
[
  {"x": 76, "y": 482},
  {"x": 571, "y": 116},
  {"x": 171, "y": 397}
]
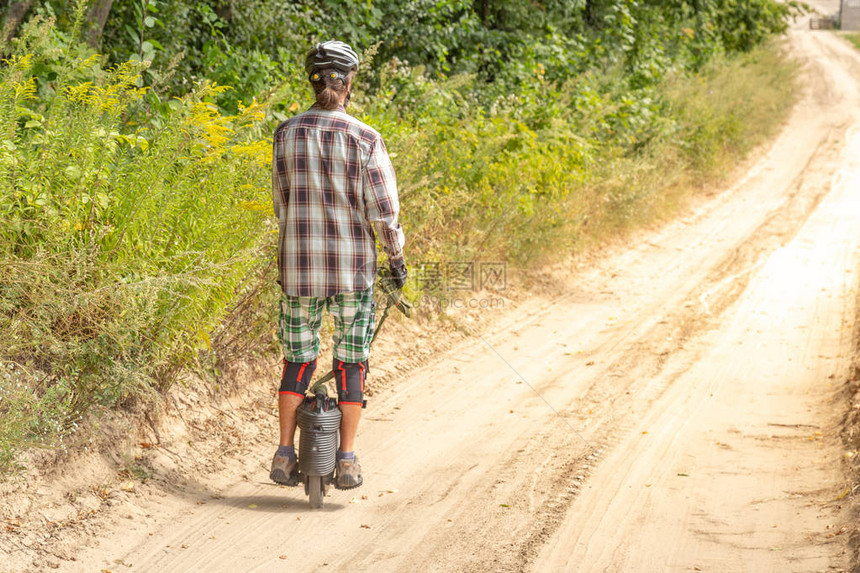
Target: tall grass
[{"x": 122, "y": 242}]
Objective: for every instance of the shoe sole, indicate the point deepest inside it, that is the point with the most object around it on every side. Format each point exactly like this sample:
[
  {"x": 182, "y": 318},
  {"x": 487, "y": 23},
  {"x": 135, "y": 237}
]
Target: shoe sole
[
  {"x": 352, "y": 486},
  {"x": 279, "y": 477}
]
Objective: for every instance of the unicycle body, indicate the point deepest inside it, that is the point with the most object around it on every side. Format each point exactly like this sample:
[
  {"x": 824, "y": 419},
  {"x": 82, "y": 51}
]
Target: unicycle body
[{"x": 318, "y": 419}]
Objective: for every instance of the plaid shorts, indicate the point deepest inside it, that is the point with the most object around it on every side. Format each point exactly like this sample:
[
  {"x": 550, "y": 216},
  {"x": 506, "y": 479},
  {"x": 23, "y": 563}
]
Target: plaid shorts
[{"x": 301, "y": 318}]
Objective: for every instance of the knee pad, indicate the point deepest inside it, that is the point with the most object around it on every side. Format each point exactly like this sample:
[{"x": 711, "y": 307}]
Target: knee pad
[
  {"x": 296, "y": 377},
  {"x": 349, "y": 378}
]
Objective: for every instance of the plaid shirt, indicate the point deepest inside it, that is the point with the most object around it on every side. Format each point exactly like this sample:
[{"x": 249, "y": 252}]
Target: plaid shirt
[{"x": 332, "y": 184}]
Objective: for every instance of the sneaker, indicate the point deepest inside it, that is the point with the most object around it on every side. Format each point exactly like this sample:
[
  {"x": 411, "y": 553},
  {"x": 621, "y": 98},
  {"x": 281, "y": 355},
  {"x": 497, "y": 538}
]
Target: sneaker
[
  {"x": 285, "y": 470},
  {"x": 348, "y": 474}
]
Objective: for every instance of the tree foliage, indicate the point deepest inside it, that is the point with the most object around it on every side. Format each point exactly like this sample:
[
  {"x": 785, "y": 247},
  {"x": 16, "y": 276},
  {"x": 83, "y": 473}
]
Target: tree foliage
[{"x": 252, "y": 45}]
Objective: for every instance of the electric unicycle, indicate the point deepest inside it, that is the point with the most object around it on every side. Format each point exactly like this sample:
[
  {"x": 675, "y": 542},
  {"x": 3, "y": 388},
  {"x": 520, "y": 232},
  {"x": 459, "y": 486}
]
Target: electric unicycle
[{"x": 318, "y": 418}]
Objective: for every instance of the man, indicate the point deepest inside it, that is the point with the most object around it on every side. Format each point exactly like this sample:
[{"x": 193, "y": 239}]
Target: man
[{"x": 333, "y": 185}]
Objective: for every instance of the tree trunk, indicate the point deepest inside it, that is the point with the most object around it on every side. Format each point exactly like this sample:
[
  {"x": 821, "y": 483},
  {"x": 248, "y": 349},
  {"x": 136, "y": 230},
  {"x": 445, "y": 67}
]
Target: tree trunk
[
  {"x": 14, "y": 16},
  {"x": 482, "y": 7},
  {"x": 590, "y": 15},
  {"x": 96, "y": 19},
  {"x": 224, "y": 10}
]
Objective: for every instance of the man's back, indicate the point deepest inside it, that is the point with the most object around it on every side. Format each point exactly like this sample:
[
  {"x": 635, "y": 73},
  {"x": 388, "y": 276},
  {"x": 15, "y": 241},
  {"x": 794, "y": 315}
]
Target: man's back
[{"x": 332, "y": 180}]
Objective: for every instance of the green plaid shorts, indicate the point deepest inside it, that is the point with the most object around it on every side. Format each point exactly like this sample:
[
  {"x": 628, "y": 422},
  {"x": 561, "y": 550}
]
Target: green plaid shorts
[{"x": 301, "y": 318}]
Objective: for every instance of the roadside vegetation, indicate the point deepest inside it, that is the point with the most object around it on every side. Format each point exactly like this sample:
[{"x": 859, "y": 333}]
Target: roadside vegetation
[
  {"x": 851, "y": 439},
  {"x": 854, "y": 38},
  {"x": 137, "y": 238},
  {"x": 851, "y": 422}
]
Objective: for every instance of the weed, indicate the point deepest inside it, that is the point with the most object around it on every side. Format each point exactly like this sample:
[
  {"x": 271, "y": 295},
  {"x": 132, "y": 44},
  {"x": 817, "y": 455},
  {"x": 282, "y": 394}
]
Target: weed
[
  {"x": 134, "y": 468},
  {"x": 852, "y": 37}
]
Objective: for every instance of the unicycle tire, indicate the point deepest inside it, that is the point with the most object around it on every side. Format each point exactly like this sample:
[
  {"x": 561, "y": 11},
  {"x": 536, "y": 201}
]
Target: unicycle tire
[{"x": 316, "y": 491}]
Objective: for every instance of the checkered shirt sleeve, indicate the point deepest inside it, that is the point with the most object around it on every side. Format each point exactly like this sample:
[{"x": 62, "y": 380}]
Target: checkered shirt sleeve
[{"x": 382, "y": 205}]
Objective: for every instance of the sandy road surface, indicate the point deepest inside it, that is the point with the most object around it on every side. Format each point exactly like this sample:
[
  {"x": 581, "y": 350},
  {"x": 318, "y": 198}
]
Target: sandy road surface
[{"x": 694, "y": 378}]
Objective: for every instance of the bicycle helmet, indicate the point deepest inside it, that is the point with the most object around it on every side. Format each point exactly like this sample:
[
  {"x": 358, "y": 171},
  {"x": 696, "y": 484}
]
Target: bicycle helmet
[{"x": 331, "y": 55}]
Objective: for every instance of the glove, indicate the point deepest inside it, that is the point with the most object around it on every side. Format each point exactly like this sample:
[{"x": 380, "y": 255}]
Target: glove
[{"x": 398, "y": 275}]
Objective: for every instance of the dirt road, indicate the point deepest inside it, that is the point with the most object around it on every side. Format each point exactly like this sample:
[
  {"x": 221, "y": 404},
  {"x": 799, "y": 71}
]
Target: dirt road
[{"x": 674, "y": 410}]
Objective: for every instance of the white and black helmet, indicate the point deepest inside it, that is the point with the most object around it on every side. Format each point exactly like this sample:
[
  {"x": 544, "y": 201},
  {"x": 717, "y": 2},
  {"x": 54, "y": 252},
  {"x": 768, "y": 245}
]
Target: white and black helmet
[{"x": 333, "y": 54}]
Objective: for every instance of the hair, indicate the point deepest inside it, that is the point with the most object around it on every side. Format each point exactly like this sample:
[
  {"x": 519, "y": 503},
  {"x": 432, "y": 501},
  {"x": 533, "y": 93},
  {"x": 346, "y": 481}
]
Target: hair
[{"x": 330, "y": 91}]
